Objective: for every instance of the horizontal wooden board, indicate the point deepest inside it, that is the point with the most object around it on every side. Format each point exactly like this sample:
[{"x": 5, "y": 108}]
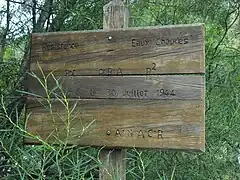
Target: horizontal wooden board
[
  {"x": 125, "y": 87},
  {"x": 173, "y": 124},
  {"x": 152, "y": 50}
]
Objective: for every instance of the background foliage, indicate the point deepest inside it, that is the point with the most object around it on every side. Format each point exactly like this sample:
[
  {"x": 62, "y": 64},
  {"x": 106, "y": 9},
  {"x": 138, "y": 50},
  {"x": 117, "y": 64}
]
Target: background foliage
[{"x": 18, "y": 18}]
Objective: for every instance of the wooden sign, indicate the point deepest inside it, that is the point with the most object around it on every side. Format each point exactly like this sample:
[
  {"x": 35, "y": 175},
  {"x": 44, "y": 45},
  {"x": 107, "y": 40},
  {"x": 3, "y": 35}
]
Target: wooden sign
[
  {"x": 135, "y": 51},
  {"x": 136, "y": 87}
]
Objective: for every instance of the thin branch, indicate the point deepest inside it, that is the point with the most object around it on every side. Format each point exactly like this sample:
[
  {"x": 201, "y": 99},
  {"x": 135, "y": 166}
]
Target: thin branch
[
  {"x": 4, "y": 37},
  {"x": 215, "y": 51},
  {"x": 44, "y": 15},
  {"x": 34, "y": 14},
  {"x": 227, "y": 28},
  {"x": 49, "y": 15},
  {"x": 27, "y": 5}
]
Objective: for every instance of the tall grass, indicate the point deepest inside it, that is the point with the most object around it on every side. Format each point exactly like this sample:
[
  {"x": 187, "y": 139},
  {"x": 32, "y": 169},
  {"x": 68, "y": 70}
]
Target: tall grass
[{"x": 44, "y": 161}]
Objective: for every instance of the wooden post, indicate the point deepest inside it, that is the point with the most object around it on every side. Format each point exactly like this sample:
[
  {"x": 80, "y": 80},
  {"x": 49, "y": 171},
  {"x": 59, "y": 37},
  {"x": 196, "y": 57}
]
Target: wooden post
[
  {"x": 116, "y": 15},
  {"x": 114, "y": 164}
]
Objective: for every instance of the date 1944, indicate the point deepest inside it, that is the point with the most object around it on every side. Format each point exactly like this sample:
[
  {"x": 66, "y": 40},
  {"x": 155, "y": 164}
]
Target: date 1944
[
  {"x": 133, "y": 93},
  {"x": 165, "y": 92}
]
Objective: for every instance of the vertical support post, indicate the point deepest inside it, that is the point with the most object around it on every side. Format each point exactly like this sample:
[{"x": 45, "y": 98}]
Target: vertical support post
[
  {"x": 114, "y": 164},
  {"x": 116, "y": 15}
]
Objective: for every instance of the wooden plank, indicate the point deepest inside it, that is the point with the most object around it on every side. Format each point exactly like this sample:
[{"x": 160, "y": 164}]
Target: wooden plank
[
  {"x": 126, "y": 87},
  {"x": 153, "y": 50},
  {"x": 173, "y": 124}
]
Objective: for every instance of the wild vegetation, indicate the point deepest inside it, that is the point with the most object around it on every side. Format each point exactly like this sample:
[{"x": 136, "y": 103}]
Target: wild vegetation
[{"x": 19, "y": 18}]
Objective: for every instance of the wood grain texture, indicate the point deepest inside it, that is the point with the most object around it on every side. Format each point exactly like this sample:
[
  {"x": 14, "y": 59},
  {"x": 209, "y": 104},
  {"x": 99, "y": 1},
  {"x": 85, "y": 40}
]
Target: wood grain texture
[
  {"x": 115, "y": 15},
  {"x": 126, "y": 87},
  {"x": 153, "y": 50},
  {"x": 114, "y": 161},
  {"x": 173, "y": 124}
]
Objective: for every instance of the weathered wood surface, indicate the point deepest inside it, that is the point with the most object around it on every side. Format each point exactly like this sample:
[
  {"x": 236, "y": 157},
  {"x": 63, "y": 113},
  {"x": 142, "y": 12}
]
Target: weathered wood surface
[
  {"x": 115, "y": 15},
  {"x": 114, "y": 164},
  {"x": 125, "y": 87},
  {"x": 134, "y": 87},
  {"x": 173, "y": 124},
  {"x": 153, "y": 50}
]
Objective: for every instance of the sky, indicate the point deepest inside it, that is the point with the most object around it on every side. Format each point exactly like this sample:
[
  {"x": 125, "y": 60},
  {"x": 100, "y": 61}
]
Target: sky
[
  {"x": 18, "y": 19},
  {"x": 2, "y": 2}
]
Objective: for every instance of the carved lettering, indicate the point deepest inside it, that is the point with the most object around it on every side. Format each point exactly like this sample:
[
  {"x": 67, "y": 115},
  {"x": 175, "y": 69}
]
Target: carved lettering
[
  {"x": 131, "y": 93},
  {"x": 150, "y": 133},
  {"x": 171, "y": 41},
  {"x": 161, "y": 41},
  {"x": 165, "y": 92},
  {"x": 136, "y": 93},
  {"x": 101, "y": 72},
  {"x": 154, "y": 66},
  {"x": 118, "y": 133},
  {"x": 146, "y": 92},
  {"x": 66, "y": 72},
  {"x": 70, "y": 72},
  {"x": 160, "y": 134},
  {"x": 119, "y": 72},
  {"x": 110, "y": 71},
  {"x": 108, "y": 132},
  {"x": 59, "y": 46},
  {"x": 148, "y": 71},
  {"x": 140, "y": 134},
  {"x": 136, "y": 133},
  {"x": 140, "y": 42},
  {"x": 130, "y": 132},
  {"x": 133, "y": 42},
  {"x": 112, "y": 92},
  {"x": 93, "y": 92}
]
